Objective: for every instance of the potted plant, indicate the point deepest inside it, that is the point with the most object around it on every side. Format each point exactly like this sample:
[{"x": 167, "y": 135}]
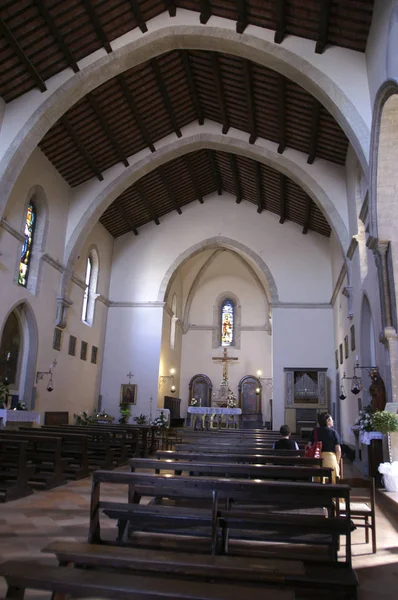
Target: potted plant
[
  {"x": 140, "y": 420},
  {"x": 125, "y": 413},
  {"x": 387, "y": 423},
  {"x": 3, "y": 395}
]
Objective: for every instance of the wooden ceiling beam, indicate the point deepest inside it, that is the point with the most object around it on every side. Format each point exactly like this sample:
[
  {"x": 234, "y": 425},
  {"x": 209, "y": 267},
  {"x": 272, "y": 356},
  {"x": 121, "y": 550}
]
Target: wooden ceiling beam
[
  {"x": 135, "y": 7},
  {"x": 192, "y": 85},
  {"x": 128, "y": 96},
  {"x": 282, "y": 113},
  {"x": 259, "y": 189},
  {"x": 242, "y": 21},
  {"x": 44, "y": 12},
  {"x": 205, "y": 11},
  {"x": 316, "y": 113},
  {"x": 282, "y": 197},
  {"x": 214, "y": 170},
  {"x": 97, "y": 25},
  {"x": 251, "y": 108},
  {"x": 307, "y": 215},
  {"x": 75, "y": 137},
  {"x": 22, "y": 56},
  {"x": 170, "y": 191},
  {"x": 96, "y": 108},
  {"x": 144, "y": 199},
  {"x": 323, "y": 28},
  {"x": 217, "y": 76},
  {"x": 166, "y": 99},
  {"x": 171, "y": 7},
  {"x": 236, "y": 178},
  {"x": 123, "y": 213},
  {"x": 193, "y": 177},
  {"x": 281, "y": 21}
]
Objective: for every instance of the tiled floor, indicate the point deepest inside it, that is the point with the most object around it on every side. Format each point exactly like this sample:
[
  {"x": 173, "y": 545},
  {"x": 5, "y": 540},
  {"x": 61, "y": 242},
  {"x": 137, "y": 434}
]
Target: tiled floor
[{"x": 29, "y": 524}]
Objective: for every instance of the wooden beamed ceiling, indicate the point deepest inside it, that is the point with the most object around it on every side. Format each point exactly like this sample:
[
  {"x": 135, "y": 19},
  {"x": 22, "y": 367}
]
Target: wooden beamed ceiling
[
  {"x": 116, "y": 120},
  {"x": 193, "y": 176},
  {"x": 40, "y": 38}
]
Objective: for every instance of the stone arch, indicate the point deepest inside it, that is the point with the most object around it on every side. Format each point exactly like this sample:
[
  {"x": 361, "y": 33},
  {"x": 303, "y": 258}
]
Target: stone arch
[
  {"x": 219, "y": 242},
  {"x": 136, "y": 49},
  {"x": 384, "y": 148},
  {"x": 286, "y": 163},
  {"x": 30, "y": 341}
]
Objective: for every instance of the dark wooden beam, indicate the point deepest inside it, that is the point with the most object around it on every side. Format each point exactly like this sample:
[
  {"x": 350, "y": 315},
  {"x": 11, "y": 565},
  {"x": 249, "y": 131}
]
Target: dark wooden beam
[
  {"x": 135, "y": 7},
  {"x": 235, "y": 177},
  {"x": 75, "y": 137},
  {"x": 282, "y": 192},
  {"x": 128, "y": 96},
  {"x": 192, "y": 85},
  {"x": 259, "y": 189},
  {"x": 170, "y": 191},
  {"x": 220, "y": 91},
  {"x": 43, "y": 10},
  {"x": 216, "y": 175},
  {"x": 22, "y": 56},
  {"x": 144, "y": 199},
  {"x": 282, "y": 113},
  {"x": 166, "y": 99},
  {"x": 97, "y": 25},
  {"x": 242, "y": 21},
  {"x": 323, "y": 26},
  {"x": 193, "y": 177},
  {"x": 205, "y": 11},
  {"x": 251, "y": 108},
  {"x": 316, "y": 112},
  {"x": 171, "y": 7},
  {"x": 96, "y": 108},
  {"x": 307, "y": 215},
  {"x": 125, "y": 217},
  {"x": 280, "y": 31}
]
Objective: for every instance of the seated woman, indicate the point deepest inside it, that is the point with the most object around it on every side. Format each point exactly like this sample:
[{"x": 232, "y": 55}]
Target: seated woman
[{"x": 331, "y": 444}]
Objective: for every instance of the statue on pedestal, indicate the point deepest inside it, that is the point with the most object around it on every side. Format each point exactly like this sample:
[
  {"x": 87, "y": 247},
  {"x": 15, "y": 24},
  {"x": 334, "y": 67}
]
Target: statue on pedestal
[{"x": 377, "y": 390}]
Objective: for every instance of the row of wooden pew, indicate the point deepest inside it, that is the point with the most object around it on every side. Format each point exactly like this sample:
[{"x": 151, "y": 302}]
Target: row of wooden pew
[
  {"x": 198, "y": 524},
  {"x": 45, "y": 457}
]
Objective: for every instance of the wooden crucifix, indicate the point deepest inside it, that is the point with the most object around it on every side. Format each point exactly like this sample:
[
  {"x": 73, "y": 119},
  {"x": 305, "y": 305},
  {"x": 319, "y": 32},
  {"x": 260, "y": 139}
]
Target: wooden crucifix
[{"x": 225, "y": 359}]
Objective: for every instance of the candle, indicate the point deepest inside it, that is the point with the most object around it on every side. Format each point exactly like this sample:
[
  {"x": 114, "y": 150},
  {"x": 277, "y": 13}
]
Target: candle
[{"x": 8, "y": 355}]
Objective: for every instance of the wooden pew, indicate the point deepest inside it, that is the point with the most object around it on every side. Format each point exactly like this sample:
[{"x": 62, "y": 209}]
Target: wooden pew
[
  {"x": 74, "y": 451},
  {"x": 226, "y": 448},
  {"x": 274, "y": 458},
  {"x": 21, "y": 575},
  {"x": 15, "y": 469},
  {"x": 100, "y": 454},
  {"x": 45, "y": 454},
  {"x": 274, "y": 472}
]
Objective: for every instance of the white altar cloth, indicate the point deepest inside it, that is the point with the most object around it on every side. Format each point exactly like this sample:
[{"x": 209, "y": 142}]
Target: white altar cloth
[
  {"x": 19, "y": 415},
  {"x": 213, "y": 410}
]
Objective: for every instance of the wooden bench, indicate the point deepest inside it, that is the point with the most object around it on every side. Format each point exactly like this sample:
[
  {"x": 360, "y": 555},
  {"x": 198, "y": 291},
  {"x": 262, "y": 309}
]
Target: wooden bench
[
  {"x": 226, "y": 448},
  {"x": 274, "y": 472},
  {"x": 269, "y": 498},
  {"x": 15, "y": 469},
  {"x": 45, "y": 454},
  {"x": 100, "y": 454},
  {"x": 21, "y": 575},
  {"x": 249, "y": 458}
]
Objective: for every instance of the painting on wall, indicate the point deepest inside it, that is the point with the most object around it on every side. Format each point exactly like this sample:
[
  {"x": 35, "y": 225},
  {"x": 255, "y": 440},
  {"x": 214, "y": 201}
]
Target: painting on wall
[
  {"x": 336, "y": 354},
  {"x": 352, "y": 332},
  {"x": 128, "y": 393},
  {"x": 346, "y": 346},
  {"x": 341, "y": 353}
]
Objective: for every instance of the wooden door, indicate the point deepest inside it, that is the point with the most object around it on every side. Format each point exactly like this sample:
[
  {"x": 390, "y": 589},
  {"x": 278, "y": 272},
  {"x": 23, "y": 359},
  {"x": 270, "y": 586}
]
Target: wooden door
[{"x": 249, "y": 401}]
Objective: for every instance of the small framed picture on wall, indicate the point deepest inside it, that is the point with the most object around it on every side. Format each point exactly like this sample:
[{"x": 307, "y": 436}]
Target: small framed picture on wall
[
  {"x": 341, "y": 353},
  {"x": 352, "y": 334},
  {"x": 346, "y": 346},
  {"x": 336, "y": 354}
]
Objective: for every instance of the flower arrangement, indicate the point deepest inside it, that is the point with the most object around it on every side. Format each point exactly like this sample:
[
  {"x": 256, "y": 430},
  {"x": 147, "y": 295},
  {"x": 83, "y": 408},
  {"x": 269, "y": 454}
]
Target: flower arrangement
[
  {"x": 231, "y": 399},
  {"x": 140, "y": 420},
  {"x": 83, "y": 418},
  {"x": 125, "y": 412},
  {"x": 160, "y": 422},
  {"x": 21, "y": 406},
  {"x": 194, "y": 402},
  {"x": 385, "y": 422},
  {"x": 364, "y": 421},
  {"x": 3, "y": 395}
]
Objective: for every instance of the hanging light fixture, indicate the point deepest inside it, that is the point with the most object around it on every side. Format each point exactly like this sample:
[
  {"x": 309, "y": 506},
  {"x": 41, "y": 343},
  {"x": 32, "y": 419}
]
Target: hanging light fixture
[
  {"x": 342, "y": 395},
  {"x": 356, "y": 385}
]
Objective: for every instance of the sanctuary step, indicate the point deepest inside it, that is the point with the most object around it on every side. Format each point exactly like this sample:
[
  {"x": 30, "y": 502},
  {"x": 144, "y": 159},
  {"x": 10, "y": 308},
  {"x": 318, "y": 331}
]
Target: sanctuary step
[{"x": 252, "y": 421}]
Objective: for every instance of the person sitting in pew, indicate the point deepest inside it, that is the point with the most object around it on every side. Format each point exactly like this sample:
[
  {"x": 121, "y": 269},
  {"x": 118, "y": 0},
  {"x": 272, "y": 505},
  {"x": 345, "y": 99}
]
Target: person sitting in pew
[{"x": 285, "y": 443}]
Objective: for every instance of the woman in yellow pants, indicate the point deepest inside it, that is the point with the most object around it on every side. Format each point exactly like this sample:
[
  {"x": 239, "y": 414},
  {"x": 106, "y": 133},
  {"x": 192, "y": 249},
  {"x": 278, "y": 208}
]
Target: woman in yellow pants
[{"x": 331, "y": 444}]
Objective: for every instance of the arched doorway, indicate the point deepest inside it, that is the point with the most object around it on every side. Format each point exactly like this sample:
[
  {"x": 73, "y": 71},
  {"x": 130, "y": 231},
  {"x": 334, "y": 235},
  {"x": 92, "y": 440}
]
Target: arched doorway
[{"x": 18, "y": 353}]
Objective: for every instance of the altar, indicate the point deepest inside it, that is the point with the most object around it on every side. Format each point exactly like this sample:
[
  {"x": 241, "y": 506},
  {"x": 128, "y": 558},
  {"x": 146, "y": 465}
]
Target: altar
[
  {"x": 231, "y": 416},
  {"x": 18, "y": 416}
]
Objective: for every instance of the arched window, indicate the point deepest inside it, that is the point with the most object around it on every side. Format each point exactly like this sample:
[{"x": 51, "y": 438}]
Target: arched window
[
  {"x": 26, "y": 254},
  {"x": 227, "y": 323},
  {"x": 90, "y": 292},
  {"x": 173, "y": 324}
]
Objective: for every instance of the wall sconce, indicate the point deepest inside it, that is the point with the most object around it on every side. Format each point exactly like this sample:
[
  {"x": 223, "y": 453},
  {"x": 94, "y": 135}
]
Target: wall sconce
[
  {"x": 164, "y": 378},
  {"x": 40, "y": 375},
  {"x": 258, "y": 390}
]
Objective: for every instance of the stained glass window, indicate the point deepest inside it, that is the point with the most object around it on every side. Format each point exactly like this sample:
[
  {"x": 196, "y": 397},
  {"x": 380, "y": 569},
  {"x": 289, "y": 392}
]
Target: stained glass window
[
  {"x": 87, "y": 290},
  {"x": 227, "y": 323},
  {"x": 26, "y": 253}
]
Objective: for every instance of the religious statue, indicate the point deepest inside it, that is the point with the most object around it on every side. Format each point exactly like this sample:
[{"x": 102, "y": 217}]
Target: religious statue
[{"x": 377, "y": 390}]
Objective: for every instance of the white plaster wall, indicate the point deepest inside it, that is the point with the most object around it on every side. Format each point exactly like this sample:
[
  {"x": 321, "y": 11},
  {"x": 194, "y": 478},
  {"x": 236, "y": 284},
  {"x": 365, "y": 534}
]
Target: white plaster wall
[
  {"x": 75, "y": 381},
  {"x": 295, "y": 260},
  {"x": 225, "y": 273},
  {"x": 302, "y": 337}
]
